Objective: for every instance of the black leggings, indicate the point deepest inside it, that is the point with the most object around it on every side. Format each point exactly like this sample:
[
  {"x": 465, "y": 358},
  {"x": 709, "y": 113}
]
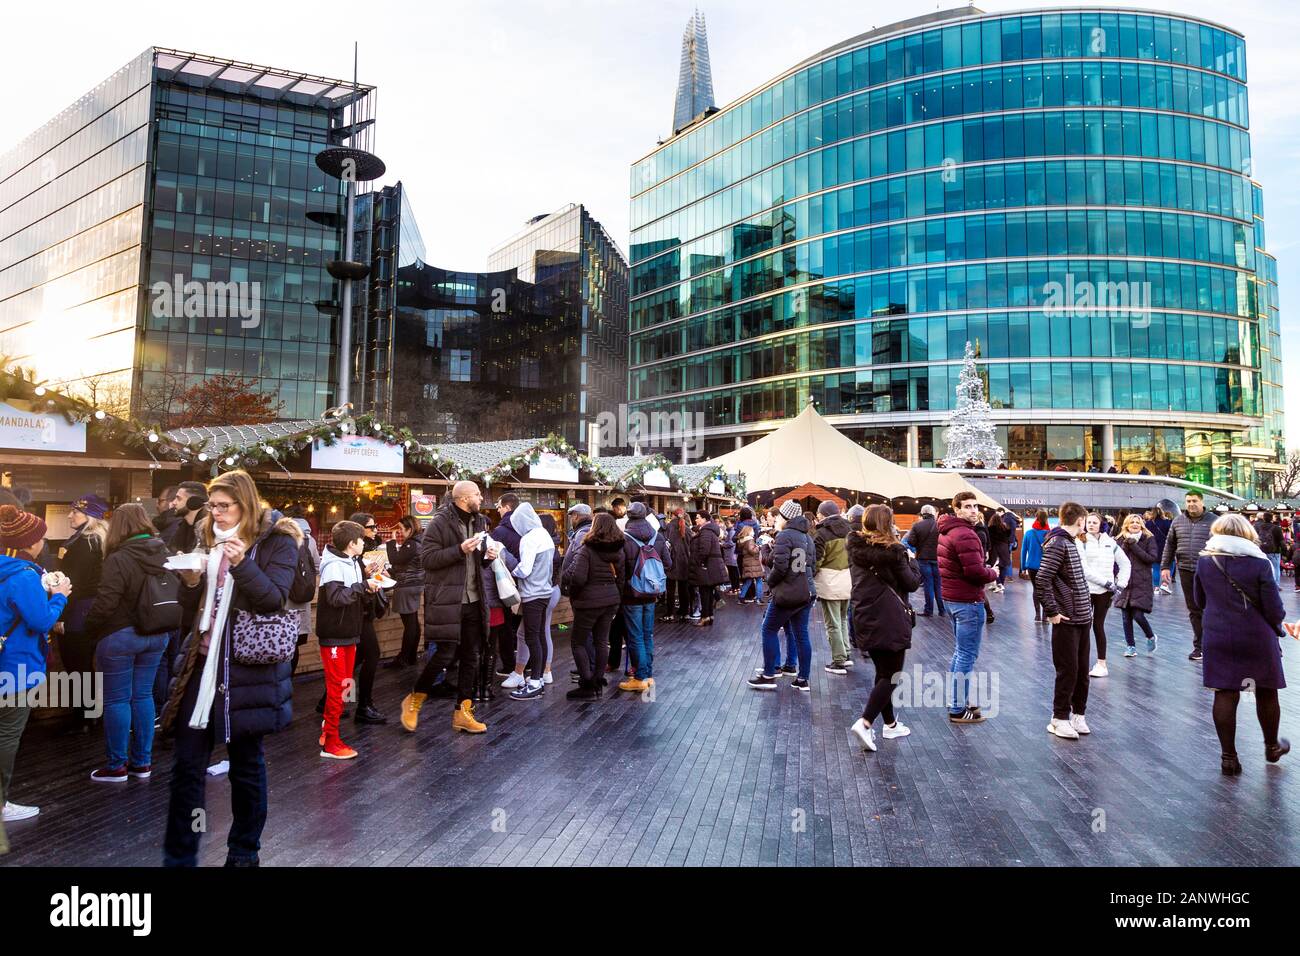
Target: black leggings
[
  {"x": 591, "y": 640},
  {"x": 679, "y": 597},
  {"x": 1267, "y": 709},
  {"x": 888, "y": 663},
  {"x": 534, "y": 614},
  {"x": 367, "y": 662},
  {"x": 1038, "y": 605},
  {"x": 410, "y": 637},
  {"x": 1100, "y": 607}
]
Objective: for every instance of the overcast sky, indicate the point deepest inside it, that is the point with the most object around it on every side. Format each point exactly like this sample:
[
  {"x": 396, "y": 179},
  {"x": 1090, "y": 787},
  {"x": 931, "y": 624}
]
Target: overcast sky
[{"x": 496, "y": 110}]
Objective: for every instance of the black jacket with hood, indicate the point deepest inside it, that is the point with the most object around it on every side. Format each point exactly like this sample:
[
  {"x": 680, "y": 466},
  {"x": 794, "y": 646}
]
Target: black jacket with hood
[
  {"x": 120, "y": 583},
  {"x": 639, "y": 532},
  {"x": 880, "y": 619},
  {"x": 597, "y": 574}
]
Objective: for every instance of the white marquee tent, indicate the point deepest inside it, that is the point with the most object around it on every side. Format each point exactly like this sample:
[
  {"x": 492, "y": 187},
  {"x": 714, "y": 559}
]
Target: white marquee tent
[{"x": 808, "y": 449}]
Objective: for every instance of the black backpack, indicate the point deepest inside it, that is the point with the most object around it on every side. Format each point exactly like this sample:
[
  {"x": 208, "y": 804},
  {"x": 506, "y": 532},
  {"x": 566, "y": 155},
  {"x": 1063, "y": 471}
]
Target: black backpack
[
  {"x": 303, "y": 588},
  {"x": 158, "y": 608}
]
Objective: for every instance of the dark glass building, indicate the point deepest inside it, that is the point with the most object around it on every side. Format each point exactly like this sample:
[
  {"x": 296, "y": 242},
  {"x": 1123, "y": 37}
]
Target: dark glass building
[
  {"x": 537, "y": 344},
  {"x": 171, "y": 226},
  {"x": 1068, "y": 190}
]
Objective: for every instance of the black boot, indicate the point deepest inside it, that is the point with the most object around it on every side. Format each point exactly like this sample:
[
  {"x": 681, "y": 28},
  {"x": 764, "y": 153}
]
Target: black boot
[
  {"x": 1231, "y": 765},
  {"x": 586, "y": 690},
  {"x": 1276, "y": 753},
  {"x": 368, "y": 715}
]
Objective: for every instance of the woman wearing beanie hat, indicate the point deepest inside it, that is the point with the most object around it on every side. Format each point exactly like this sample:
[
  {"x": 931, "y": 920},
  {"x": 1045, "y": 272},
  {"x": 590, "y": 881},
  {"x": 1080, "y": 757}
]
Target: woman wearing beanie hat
[
  {"x": 27, "y": 613},
  {"x": 82, "y": 559},
  {"x": 794, "y": 558}
]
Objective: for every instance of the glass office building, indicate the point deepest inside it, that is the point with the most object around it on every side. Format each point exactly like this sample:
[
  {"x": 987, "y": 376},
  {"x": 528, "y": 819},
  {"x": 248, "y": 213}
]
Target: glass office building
[
  {"x": 1069, "y": 191},
  {"x": 536, "y": 344},
  {"x": 196, "y": 173}
]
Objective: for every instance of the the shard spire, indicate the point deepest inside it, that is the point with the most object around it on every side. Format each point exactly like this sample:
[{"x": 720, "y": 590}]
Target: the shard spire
[{"x": 695, "y": 84}]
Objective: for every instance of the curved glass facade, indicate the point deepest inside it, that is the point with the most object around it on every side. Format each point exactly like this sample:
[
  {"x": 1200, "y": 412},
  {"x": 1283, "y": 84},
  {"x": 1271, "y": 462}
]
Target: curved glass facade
[{"x": 1070, "y": 191}]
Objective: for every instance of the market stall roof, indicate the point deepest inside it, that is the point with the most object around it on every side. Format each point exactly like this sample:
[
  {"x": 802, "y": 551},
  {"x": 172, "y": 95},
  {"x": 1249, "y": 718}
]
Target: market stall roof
[
  {"x": 238, "y": 436},
  {"x": 808, "y": 448},
  {"x": 477, "y": 457}
]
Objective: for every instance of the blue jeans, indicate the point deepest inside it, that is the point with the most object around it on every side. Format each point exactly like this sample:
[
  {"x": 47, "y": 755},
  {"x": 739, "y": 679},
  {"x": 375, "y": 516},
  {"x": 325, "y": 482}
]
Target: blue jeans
[
  {"x": 129, "y": 662},
  {"x": 967, "y": 629},
  {"x": 1276, "y": 561},
  {"x": 755, "y": 584},
  {"x": 930, "y": 584},
  {"x": 640, "y": 621},
  {"x": 795, "y": 622}
]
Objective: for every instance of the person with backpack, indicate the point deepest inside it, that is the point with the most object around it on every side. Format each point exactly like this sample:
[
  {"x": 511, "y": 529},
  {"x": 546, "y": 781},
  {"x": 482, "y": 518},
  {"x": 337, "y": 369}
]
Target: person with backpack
[
  {"x": 339, "y": 620},
  {"x": 137, "y": 608},
  {"x": 834, "y": 583},
  {"x": 1242, "y": 615},
  {"x": 594, "y": 581},
  {"x": 648, "y": 559},
  {"x": 1063, "y": 591},
  {"x": 250, "y": 563},
  {"x": 28, "y": 611},
  {"x": 884, "y": 573},
  {"x": 708, "y": 570},
  {"x": 793, "y": 589}
]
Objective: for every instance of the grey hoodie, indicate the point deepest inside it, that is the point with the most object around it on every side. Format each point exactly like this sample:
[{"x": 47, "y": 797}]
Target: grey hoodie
[{"x": 536, "y": 554}]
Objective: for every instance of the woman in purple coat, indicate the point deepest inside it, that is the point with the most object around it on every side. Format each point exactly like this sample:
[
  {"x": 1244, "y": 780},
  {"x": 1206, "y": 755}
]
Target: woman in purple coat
[{"x": 1242, "y": 622}]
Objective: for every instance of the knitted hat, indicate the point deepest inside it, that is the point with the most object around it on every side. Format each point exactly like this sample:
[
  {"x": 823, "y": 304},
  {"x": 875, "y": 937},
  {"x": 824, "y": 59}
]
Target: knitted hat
[
  {"x": 92, "y": 506},
  {"x": 19, "y": 529},
  {"x": 636, "y": 510},
  {"x": 856, "y": 513},
  {"x": 791, "y": 509},
  {"x": 827, "y": 508}
]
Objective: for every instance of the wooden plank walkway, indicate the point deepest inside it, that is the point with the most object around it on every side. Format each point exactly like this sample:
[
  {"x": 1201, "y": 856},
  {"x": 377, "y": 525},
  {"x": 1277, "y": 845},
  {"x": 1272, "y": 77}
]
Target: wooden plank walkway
[{"x": 712, "y": 773}]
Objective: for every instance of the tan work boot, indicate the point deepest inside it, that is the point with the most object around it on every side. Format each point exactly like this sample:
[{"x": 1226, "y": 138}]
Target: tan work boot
[
  {"x": 633, "y": 684},
  {"x": 462, "y": 718},
  {"x": 411, "y": 705}
]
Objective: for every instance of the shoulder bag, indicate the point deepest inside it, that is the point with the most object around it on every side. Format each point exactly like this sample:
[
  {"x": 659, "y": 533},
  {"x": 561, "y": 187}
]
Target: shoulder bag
[{"x": 1246, "y": 598}]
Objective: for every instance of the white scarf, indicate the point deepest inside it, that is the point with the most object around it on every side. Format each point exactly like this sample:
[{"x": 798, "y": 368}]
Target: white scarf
[
  {"x": 208, "y": 681},
  {"x": 1233, "y": 545}
]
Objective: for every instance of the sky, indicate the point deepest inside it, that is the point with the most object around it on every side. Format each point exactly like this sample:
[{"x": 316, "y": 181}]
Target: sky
[{"x": 493, "y": 111}]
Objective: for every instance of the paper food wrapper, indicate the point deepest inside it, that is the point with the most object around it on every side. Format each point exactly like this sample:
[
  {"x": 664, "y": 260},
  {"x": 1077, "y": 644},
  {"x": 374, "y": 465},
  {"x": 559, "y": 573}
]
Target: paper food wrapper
[{"x": 185, "y": 562}]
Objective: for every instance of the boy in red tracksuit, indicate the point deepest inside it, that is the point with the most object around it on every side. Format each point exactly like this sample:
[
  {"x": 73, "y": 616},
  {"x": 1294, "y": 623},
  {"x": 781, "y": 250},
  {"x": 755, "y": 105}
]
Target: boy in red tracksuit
[{"x": 338, "y": 626}]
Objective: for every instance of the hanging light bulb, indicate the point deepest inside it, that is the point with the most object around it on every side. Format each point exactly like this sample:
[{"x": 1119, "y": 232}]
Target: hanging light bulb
[
  {"x": 99, "y": 414},
  {"x": 203, "y": 456},
  {"x": 40, "y": 389},
  {"x": 230, "y": 460},
  {"x": 153, "y": 436}
]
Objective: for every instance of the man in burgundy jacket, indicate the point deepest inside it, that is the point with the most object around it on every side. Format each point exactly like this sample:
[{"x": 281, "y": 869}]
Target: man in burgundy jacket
[{"x": 963, "y": 574}]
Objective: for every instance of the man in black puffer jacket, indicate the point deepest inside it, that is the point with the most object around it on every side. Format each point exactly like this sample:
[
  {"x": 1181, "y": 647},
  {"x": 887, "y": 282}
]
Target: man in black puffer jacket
[
  {"x": 1062, "y": 589},
  {"x": 453, "y": 553}
]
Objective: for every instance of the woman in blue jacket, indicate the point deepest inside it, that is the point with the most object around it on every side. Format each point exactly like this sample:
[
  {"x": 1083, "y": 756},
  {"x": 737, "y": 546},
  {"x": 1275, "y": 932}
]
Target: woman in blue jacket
[
  {"x": 1031, "y": 554},
  {"x": 27, "y": 613}
]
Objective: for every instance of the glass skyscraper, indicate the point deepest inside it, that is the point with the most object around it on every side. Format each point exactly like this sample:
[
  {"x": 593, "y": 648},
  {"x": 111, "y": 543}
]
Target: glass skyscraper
[
  {"x": 1069, "y": 191},
  {"x": 536, "y": 344},
  {"x": 179, "y": 165}
]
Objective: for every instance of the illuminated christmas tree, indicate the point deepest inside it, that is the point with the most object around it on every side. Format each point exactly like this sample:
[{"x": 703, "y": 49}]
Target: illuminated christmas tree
[{"x": 971, "y": 432}]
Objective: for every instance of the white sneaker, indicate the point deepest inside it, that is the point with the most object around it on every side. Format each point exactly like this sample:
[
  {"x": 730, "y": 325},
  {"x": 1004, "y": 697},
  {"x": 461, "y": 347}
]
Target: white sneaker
[
  {"x": 1062, "y": 728},
  {"x": 863, "y": 731},
  {"x": 1079, "y": 724},
  {"x": 1166, "y": 589},
  {"x": 515, "y": 679},
  {"x": 897, "y": 729},
  {"x": 13, "y": 812},
  {"x": 547, "y": 678},
  {"x": 848, "y": 662},
  {"x": 1099, "y": 670}
]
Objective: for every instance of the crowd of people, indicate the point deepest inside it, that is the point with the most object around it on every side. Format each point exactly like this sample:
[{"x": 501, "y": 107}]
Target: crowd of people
[{"x": 196, "y": 617}]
